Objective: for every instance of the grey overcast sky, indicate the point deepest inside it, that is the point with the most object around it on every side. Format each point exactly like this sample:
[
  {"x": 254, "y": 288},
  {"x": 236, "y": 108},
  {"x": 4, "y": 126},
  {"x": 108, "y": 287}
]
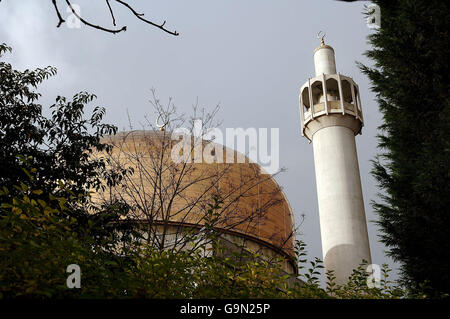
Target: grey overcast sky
[{"x": 250, "y": 56}]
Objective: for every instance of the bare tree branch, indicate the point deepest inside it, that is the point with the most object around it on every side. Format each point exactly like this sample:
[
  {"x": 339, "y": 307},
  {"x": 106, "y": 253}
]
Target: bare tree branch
[{"x": 138, "y": 15}]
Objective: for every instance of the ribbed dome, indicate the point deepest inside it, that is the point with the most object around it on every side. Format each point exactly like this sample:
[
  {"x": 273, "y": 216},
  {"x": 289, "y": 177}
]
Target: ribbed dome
[{"x": 254, "y": 206}]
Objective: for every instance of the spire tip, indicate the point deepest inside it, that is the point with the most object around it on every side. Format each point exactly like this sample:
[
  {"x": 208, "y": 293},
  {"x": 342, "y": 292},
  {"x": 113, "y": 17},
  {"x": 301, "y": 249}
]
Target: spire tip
[{"x": 320, "y": 36}]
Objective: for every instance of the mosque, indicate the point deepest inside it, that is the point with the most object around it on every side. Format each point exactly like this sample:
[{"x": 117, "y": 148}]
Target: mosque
[{"x": 173, "y": 200}]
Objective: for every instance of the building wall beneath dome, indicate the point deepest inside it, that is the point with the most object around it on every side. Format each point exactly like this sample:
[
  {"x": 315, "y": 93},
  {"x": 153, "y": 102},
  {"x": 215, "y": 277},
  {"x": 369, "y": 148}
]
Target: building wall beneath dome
[
  {"x": 175, "y": 236},
  {"x": 268, "y": 253}
]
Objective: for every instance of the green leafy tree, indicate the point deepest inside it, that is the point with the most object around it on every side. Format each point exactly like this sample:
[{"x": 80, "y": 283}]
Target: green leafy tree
[
  {"x": 410, "y": 78},
  {"x": 37, "y": 244},
  {"x": 58, "y": 148}
]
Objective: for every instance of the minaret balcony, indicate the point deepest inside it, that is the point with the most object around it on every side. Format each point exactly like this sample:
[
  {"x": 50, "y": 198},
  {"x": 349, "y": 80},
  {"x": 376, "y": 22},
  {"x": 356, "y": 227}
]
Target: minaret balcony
[{"x": 329, "y": 94}]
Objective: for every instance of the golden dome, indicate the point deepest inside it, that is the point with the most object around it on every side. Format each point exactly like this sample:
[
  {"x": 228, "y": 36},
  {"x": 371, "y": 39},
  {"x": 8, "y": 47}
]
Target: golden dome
[{"x": 254, "y": 206}]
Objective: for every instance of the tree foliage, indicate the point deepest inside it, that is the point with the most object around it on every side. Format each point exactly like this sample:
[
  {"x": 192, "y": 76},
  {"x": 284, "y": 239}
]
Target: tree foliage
[
  {"x": 54, "y": 150},
  {"x": 410, "y": 78},
  {"x": 37, "y": 244}
]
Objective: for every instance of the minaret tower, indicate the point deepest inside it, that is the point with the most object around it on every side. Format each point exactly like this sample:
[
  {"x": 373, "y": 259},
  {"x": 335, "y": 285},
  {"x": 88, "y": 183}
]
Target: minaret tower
[{"x": 331, "y": 116}]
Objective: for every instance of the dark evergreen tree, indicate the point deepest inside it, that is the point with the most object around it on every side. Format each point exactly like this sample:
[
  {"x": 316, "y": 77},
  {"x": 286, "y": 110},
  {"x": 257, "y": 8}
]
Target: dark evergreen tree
[{"x": 410, "y": 78}]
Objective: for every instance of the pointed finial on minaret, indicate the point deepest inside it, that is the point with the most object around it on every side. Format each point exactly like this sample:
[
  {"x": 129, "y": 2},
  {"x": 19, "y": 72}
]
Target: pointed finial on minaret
[{"x": 319, "y": 36}]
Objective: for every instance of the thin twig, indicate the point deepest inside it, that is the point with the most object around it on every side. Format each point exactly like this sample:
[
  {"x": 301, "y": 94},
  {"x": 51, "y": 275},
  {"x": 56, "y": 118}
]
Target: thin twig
[
  {"x": 112, "y": 13},
  {"x": 140, "y": 17}
]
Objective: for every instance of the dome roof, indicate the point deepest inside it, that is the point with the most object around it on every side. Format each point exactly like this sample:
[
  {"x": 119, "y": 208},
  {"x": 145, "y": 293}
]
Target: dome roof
[{"x": 254, "y": 206}]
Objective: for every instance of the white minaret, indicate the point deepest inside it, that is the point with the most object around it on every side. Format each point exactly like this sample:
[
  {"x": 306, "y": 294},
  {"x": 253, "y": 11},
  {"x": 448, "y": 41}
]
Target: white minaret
[{"x": 331, "y": 116}]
